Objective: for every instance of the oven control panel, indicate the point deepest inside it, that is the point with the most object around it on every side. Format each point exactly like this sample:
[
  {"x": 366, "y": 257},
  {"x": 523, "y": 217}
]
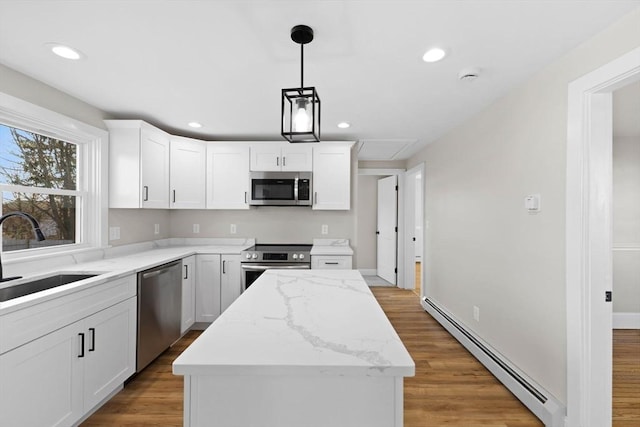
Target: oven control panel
[{"x": 277, "y": 254}]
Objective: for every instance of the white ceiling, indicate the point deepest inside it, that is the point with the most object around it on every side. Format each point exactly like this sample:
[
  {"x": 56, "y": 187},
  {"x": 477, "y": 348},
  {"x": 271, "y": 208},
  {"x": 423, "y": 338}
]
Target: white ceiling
[{"x": 223, "y": 63}]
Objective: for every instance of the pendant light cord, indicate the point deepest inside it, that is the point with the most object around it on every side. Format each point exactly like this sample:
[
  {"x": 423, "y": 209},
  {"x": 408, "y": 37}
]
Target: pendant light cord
[{"x": 301, "y": 66}]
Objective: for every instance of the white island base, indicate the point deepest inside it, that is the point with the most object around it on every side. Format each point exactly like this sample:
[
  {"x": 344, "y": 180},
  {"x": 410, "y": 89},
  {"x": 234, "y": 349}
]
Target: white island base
[{"x": 299, "y": 348}]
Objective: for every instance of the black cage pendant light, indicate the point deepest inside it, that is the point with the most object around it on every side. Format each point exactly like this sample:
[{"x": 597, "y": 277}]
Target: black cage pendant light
[{"x": 301, "y": 105}]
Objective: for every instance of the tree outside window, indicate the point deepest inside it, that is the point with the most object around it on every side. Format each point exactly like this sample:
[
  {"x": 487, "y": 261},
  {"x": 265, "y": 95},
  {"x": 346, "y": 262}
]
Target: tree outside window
[{"x": 39, "y": 176}]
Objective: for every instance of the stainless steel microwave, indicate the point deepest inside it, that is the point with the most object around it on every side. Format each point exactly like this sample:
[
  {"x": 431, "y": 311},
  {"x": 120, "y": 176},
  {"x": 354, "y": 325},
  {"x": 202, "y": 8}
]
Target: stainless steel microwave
[{"x": 280, "y": 189}]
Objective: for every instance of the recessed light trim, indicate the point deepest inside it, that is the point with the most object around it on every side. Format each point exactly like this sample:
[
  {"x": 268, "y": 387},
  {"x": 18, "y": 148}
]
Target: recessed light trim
[
  {"x": 64, "y": 51},
  {"x": 344, "y": 125},
  {"x": 434, "y": 54},
  {"x": 194, "y": 125}
]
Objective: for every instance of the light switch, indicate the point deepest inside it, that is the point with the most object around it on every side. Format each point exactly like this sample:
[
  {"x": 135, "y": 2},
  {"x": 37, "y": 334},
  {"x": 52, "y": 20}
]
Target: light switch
[
  {"x": 156, "y": 228},
  {"x": 196, "y": 228},
  {"x": 325, "y": 229},
  {"x": 532, "y": 203},
  {"x": 233, "y": 229}
]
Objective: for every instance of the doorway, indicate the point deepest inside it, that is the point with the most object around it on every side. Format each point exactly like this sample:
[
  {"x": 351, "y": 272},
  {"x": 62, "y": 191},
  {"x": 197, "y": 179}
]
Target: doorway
[
  {"x": 588, "y": 240},
  {"x": 414, "y": 263}
]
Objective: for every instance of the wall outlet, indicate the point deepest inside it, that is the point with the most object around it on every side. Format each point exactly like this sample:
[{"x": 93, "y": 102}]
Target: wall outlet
[
  {"x": 196, "y": 228},
  {"x": 476, "y": 313},
  {"x": 233, "y": 229},
  {"x": 325, "y": 229},
  {"x": 156, "y": 228},
  {"x": 114, "y": 233}
]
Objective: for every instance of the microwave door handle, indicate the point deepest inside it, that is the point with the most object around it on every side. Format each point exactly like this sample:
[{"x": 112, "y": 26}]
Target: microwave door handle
[{"x": 295, "y": 188}]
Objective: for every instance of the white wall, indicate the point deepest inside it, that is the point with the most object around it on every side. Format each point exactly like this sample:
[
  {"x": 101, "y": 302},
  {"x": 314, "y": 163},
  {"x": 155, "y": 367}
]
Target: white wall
[
  {"x": 626, "y": 224},
  {"x": 484, "y": 249}
]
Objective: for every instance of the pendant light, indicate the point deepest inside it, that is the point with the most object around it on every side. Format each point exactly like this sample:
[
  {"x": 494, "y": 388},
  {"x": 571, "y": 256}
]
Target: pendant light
[{"x": 301, "y": 106}]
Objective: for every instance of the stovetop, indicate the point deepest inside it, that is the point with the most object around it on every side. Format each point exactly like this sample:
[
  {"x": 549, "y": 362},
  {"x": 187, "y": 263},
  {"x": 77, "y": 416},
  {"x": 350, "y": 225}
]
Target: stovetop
[{"x": 277, "y": 252}]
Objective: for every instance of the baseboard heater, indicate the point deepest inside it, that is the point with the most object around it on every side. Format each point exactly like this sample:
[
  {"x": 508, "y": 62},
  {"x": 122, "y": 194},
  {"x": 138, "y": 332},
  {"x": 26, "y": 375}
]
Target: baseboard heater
[{"x": 546, "y": 407}]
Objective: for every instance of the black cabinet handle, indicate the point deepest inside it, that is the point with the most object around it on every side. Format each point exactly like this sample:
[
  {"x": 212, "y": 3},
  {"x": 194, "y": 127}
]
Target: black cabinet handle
[
  {"x": 93, "y": 339},
  {"x": 284, "y": 161},
  {"x": 245, "y": 197},
  {"x": 174, "y": 196},
  {"x": 146, "y": 193},
  {"x": 224, "y": 263},
  {"x": 331, "y": 263},
  {"x": 186, "y": 272},
  {"x": 277, "y": 161},
  {"x": 81, "y": 344}
]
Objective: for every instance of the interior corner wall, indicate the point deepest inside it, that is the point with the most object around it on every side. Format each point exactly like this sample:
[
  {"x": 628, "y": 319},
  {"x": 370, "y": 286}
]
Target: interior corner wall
[
  {"x": 485, "y": 249},
  {"x": 626, "y": 224}
]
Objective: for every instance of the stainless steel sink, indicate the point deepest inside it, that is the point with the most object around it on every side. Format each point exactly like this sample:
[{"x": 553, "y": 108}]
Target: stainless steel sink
[{"x": 22, "y": 289}]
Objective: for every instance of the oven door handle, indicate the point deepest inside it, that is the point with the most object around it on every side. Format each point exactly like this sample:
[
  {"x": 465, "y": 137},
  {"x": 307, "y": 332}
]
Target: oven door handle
[{"x": 275, "y": 266}]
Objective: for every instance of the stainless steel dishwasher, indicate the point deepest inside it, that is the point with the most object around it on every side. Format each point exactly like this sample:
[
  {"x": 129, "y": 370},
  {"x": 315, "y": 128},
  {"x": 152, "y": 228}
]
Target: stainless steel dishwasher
[{"x": 159, "y": 311}]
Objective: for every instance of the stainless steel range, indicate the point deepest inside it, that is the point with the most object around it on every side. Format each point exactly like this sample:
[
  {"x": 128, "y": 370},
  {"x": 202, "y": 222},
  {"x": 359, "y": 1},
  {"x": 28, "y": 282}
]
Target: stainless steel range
[{"x": 260, "y": 258}]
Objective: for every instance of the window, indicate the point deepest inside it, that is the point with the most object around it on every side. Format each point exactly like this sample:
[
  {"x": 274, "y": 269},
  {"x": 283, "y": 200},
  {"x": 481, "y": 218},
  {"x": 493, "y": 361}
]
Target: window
[
  {"x": 51, "y": 168},
  {"x": 39, "y": 177}
]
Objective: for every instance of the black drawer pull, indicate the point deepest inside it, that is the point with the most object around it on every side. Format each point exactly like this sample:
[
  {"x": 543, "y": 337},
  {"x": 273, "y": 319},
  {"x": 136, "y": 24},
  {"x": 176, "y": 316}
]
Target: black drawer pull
[{"x": 93, "y": 339}]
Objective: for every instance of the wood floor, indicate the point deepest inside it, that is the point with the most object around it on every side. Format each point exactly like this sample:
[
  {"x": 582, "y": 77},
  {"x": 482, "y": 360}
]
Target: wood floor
[
  {"x": 450, "y": 388},
  {"x": 626, "y": 377}
]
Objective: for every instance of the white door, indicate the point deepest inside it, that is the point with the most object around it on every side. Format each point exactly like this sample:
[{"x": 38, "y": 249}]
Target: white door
[
  {"x": 154, "y": 164},
  {"x": 387, "y": 228},
  {"x": 207, "y": 288},
  {"x": 230, "y": 281},
  {"x": 110, "y": 350},
  {"x": 227, "y": 176},
  {"x": 187, "y": 173}
]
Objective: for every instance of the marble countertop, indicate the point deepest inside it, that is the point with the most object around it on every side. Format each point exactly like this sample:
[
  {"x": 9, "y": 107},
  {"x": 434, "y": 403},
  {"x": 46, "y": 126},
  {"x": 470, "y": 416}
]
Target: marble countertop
[
  {"x": 114, "y": 264},
  {"x": 331, "y": 247},
  {"x": 300, "y": 322}
]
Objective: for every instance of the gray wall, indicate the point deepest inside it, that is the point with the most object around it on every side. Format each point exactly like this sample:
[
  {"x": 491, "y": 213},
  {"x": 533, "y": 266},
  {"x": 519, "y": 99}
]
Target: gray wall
[
  {"x": 482, "y": 248},
  {"x": 626, "y": 224}
]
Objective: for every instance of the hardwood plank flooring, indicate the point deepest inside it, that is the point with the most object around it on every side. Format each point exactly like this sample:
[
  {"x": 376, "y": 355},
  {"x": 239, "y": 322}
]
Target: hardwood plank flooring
[
  {"x": 626, "y": 377},
  {"x": 451, "y": 388}
]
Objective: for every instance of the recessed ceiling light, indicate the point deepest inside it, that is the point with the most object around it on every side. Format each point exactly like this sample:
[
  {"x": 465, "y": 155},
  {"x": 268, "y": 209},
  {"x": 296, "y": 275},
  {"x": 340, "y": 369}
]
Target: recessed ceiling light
[
  {"x": 195, "y": 125},
  {"x": 434, "y": 55},
  {"x": 344, "y": 125},
  {"x": 64, "y": 51}
]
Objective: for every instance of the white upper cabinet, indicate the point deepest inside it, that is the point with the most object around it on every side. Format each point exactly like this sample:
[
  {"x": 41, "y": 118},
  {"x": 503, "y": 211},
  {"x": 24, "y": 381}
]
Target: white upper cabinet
[
  {"x": 187, "y": 173},
  {"x": 227, "y": 176},
  {"x": 332, "y": 176},
  {"x": 138, "y": 165},
  {"x": 281, "y": 157}
]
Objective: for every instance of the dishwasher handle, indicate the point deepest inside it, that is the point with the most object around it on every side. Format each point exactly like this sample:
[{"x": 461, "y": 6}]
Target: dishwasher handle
[{"x": 161, "y": 270}]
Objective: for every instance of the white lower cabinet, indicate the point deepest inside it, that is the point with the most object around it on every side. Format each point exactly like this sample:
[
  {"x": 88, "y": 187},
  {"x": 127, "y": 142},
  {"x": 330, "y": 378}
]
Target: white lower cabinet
[
  {"x": 188, "y": 293},
  {"x": 230, "y": 282},
  {"x": 218, "y": 285},
  {"x": 55, "y": 379},
  {"x": 207, "y": 288}
]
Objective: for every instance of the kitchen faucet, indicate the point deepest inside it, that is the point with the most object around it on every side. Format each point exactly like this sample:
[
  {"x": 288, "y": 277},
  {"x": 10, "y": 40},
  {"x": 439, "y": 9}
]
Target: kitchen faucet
[{"x": 36, "y": 231}]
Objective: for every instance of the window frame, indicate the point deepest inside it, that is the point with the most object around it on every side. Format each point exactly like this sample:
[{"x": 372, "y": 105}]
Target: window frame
[{"x": 92, "y": 184}]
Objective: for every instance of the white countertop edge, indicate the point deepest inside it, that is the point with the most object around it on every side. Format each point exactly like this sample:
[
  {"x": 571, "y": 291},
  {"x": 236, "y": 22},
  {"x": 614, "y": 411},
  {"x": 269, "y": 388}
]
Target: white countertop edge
[{"x": 266, "y": 370}]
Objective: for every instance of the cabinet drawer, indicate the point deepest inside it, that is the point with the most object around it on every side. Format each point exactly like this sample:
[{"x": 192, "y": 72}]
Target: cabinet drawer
[
  {"x": 336, "y": 262},
  {"x": 22, "y": 326}
]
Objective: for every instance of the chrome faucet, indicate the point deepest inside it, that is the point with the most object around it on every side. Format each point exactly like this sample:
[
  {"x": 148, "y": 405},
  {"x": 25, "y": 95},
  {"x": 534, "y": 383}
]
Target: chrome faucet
[{"x": 36, "y": 231}]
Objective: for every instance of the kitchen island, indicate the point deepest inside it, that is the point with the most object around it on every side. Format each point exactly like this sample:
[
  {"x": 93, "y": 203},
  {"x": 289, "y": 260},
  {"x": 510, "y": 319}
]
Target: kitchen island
[{"x": 299, "y": 348}]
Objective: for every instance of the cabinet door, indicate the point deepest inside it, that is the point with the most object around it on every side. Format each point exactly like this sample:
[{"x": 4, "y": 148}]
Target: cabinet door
[
  {"x": 331, "y": 177},
  {"x": 188, "y": 293},
  {"x": 187, "y": 174},
  {"x": 207, "y": 288},
  {"x": 41, "y": 381},
  {"x": 110, "y": 350},
  {"x": 266, "y": 157},
  {"x": 227, "y": 176},
  {"x": 297, "y": 157},
  {"x": 230, "y": 283},
  {"x": 154, "y": 168}
]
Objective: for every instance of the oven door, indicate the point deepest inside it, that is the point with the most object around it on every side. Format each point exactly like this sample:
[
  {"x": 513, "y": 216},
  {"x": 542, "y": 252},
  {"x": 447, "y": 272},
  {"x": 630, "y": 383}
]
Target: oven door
[{"x": 251, "y": 271}]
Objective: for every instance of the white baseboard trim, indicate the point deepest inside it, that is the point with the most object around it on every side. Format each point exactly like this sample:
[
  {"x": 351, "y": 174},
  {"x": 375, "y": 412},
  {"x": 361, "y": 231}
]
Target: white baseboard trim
[
  {"x": 626, "y": 320},
  {"x": 543, "y": 405},
  {"x": 368, "y": 271}
]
